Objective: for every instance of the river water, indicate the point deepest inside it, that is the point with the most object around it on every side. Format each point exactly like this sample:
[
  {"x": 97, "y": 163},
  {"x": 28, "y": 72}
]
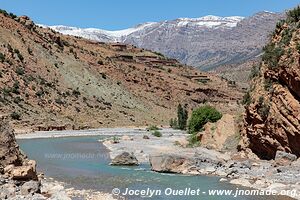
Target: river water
[{"x": 83, "y": 163}]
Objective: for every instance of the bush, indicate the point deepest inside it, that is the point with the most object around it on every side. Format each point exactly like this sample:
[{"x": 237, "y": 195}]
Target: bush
[
  {"x": 201, "y": 116},
  {"x": 156, "y": 133},
  {"x": 16, "y": 87},
  {"x": 20, "y": 71},
  {"x": 76, "y": 92},
  {"x": 272, "y": 55},
  {"x": 268, "y": 84},
  {"x": 152, "y": 128},
  {"x": 2, "y": 57},
  {"x": 263, "y": 108},
  {"x": 173, "y": 123},
  {"x": 15, "y": 116},
  {"x": 255, "y": 72},
  {"x": 100, "y": 62},
  {"x": 193, "y": 141}
]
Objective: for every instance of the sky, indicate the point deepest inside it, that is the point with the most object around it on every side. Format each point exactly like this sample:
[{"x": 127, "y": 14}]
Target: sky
[{"x": 121, "y": 14}]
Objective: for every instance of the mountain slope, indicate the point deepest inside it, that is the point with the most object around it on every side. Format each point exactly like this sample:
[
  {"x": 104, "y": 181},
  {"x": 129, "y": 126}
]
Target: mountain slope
[
  {"x": 52, "y": 81},
  {"x": 272, "y": 119},
  {"x": 207, "y": 42}
]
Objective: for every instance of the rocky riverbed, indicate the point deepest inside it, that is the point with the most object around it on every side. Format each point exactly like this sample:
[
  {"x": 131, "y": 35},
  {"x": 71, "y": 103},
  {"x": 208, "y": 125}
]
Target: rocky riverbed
[{"x": 169, "y": 154}]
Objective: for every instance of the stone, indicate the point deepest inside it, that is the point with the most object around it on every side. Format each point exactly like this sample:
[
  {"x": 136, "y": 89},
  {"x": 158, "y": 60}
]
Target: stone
[
  {"x": 126, "y": 138},
  {"x": 7, "y": 191},
  {"x": 125, "y": 158},
  {"x": 146, "y": 137},
  {"x": 25, "y": 172},
  {"x": 241, "y": 181},
  {"x": 169, "y": 163},
  {"x": 285, "y": 156},
  {"x": 30, "y": 187}
]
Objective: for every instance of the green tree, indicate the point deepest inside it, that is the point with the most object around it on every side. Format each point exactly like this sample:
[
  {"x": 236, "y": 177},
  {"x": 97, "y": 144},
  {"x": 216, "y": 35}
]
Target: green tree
[
  {"x": 201, "y": 116},
  {"x": 182, "y": 115}
]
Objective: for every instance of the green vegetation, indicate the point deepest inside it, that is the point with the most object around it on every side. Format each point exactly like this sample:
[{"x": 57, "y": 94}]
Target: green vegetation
[
  {"x": 286, "y": 36},
  {"x": 173, "y": 123},
  {"x": 2, "y": 57},
  {"x": 268, "y": 84},
  {"x": 100, "y": 62},
  {"x": 76, "y": 92},
  {"x": 156, "y": 133},
  {"x": 16, "y": 51},
  {"x": 16, "y": 87},
  {"x": 263, "y": 108},
  {"x": 193, "y": 141},
  {"x": 255, "y": 72},
  {"x": 152, "y": 128},
  {"x": 293, "y": 15},
  {"x": 272, "y": 55},
  {"x": 246, "y": 99},
  {"x": 182, "y": 117},
  {"x": 20, "y": 71},
  {"x": 201, "y": 116},
  {"x": 16, "y": 116}
]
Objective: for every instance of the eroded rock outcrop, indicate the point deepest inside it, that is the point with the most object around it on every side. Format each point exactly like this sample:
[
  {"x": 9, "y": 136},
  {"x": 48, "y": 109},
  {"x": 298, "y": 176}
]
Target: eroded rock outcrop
[{"x": 272, "y": 119}]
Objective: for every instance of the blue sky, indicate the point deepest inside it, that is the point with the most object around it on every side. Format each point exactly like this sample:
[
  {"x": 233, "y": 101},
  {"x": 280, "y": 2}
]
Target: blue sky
[{"x": 119, "y": 14}]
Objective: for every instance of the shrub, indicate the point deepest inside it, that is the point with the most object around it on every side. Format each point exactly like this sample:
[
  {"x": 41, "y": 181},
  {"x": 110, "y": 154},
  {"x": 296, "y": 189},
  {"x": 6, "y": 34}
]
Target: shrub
[
  {"x": 17, "y": 100},
  {"x": 201, "y": 116},
  {"x": 100, "y": 62},
  {"x": 16, "y": 87},
  {"x": 255, "y": 72},
  {"x": 76, "y": 92},
  {"x": 156, "y": 133},
  {"x": 173, "y": 123},
  {"x": 268, "y": 84},
  {"x": 286, "y": 36},
  {"x": 16, "y": 116},
  {"x": 272, "y": 55},
  {"x": 263, "y": 108},
  {"x": 193, "y": 141},
  {"x": 2, "y": 57},
  {"x": 20, "y": 71},
  {"x": 152, "y": 128},
  {"x": 103, "y": 75}
]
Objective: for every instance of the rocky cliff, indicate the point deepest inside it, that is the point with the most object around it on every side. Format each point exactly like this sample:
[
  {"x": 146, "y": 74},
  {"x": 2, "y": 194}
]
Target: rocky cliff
[{"x": 272, "y": 119}]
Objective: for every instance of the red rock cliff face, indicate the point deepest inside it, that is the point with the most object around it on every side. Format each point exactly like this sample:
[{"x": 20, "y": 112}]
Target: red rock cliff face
[{"x": 272, "y": 118}]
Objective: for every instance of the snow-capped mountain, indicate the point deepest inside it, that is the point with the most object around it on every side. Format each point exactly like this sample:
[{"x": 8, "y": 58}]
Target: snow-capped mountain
[
  {"x": 209, "y": 21},
  {"x": 206, "y": 42}
]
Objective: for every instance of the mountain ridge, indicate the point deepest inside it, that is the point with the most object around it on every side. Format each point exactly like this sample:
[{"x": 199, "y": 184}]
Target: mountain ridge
[{"x": 206, "y": 43}]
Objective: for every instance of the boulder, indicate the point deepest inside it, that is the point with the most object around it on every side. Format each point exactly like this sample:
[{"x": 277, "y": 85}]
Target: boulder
[
  {"x": 127, "y": 138},
  {"x": 25, "y": 172},
  {"x": 146, "y": 137},
  {"x": 7, "y": 191},
  {"x": 169, "y": 163},
  {"x": 125, "y": 158},
  {"x": 30, "y": 187},
  {"x": 281, "y": 155}
]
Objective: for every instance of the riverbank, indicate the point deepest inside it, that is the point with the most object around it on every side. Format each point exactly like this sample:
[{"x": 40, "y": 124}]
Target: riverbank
[
  {"x": 91, "y": 132},
  {"x": 170, "y": 154}
]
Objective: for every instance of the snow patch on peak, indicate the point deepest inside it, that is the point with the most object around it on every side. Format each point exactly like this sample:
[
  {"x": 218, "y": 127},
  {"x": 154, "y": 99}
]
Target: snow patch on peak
[{"x": 211, "y": 21}]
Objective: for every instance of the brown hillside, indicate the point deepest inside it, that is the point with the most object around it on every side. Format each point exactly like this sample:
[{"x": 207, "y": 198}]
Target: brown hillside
[{"x": 52, "y": 81}]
